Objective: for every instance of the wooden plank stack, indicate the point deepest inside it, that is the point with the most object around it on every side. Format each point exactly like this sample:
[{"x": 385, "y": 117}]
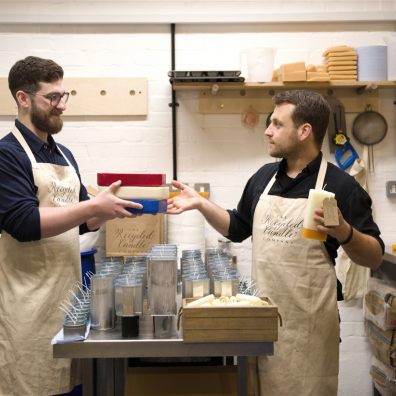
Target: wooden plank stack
[{"x": 341, "y": 62}]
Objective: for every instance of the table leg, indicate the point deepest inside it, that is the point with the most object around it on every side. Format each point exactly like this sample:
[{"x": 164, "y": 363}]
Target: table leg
[
  {"x": 104, "y": 377},
  {"x": 120, "y": 373},
  {"x": 87, "y": 366},
  {"x": 243, "y": 375},
  {"x": 110, "y": 376}
]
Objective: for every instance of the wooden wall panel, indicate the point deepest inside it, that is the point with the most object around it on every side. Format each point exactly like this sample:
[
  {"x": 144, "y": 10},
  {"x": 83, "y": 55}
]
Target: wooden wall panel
[{"x": 94, "y": 97}]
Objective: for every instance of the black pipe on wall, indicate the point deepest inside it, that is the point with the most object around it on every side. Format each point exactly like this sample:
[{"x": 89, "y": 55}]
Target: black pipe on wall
[{"x": 174, "y": 104}]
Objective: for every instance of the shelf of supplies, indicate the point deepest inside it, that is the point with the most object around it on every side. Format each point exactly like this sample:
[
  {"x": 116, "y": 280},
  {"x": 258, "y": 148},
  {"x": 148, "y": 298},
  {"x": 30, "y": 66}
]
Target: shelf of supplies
[
  {"x": 236, "y": 97},
  {"x": 180, "y": 86}
]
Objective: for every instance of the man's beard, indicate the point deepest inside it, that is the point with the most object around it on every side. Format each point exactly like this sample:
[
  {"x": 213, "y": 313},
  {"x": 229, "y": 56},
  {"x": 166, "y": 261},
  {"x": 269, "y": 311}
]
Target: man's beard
[{"x": 50, "y": 123}]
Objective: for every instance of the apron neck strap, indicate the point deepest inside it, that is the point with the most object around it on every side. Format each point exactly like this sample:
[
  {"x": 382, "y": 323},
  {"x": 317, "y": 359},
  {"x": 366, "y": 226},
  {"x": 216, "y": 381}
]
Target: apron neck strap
[
  {"x": 18, "y": 135},
  {"x": 321, "y": 174},
  {"x": 22, "y": 142},
  {"x": 319, "y": 180}
]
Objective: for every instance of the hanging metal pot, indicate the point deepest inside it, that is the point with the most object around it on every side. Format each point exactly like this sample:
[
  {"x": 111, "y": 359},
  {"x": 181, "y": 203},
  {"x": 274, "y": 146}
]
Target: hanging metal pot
[{"x": 369, "y": 128}]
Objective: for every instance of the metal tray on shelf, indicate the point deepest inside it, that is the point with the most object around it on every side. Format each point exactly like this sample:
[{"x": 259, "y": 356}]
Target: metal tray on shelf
[{"x": 205, "y": 76}]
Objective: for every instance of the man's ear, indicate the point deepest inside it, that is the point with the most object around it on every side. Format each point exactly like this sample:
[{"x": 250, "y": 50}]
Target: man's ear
[
  {"x": 23, "y": 99},
  {"x": 305, "y": 131}
]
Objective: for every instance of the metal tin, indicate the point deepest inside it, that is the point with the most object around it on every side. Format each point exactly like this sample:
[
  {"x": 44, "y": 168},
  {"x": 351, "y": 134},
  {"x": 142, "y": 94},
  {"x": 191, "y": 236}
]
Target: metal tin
[
  {"x": 195, "y": 287},
  {"x": 128, "y": 297},
  {"x": 102, "y": 302}
]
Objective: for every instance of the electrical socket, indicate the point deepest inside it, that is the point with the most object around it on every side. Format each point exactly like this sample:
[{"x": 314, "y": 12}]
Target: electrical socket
[{"x": 391, "y": 189}]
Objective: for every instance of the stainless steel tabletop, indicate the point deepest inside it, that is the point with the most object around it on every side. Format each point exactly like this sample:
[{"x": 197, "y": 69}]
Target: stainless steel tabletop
[{"x": 110, "y": 344}]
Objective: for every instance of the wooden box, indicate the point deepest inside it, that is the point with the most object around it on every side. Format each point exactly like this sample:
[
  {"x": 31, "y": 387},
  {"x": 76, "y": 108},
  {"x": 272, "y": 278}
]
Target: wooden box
[{"x": 230, "y": 324}]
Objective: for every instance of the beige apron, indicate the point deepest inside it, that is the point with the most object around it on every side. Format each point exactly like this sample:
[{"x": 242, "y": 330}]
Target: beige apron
[
  {"x": 35, "y": 277},
  {"x": 353, "y": 277},
  {"x": 299, "y": 276}
]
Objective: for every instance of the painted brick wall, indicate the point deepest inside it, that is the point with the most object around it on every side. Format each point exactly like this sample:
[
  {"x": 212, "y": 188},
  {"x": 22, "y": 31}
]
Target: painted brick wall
[{"x": 211, "y": 148}]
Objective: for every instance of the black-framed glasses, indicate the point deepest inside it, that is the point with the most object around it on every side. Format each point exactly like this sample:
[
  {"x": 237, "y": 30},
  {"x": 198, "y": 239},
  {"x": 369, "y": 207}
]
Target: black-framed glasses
[{"x": 55, "y": 97}]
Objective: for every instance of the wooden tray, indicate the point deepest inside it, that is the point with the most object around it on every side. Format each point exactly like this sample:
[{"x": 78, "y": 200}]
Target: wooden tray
[{"x": 229, "y": 324}]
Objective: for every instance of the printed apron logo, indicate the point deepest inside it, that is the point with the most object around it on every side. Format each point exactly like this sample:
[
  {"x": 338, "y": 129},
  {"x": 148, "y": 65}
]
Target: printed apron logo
[
  {"x": 61, "y": 194},
  {"x": 280, "y": 229}
]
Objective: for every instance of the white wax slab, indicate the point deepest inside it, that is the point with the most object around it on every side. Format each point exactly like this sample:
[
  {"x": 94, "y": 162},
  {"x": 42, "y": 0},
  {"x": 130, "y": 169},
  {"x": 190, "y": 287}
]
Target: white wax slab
[{"x": 157, "y": 193}]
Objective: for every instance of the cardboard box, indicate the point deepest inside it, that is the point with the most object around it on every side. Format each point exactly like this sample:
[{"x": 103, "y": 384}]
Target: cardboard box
[
  {"x": 380, "y": 304},
  {"x": 183, "y": 381},
  {"x": 230, "y": 324},
  {"x": 384, "y": 377},
  {"x": 127, "y": 237},
  {"x": 383, "y": 343}
]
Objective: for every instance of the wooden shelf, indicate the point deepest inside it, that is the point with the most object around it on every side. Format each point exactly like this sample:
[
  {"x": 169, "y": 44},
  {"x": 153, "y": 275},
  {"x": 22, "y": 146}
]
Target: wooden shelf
[
  {"x": 370, "y": 85},
  {"x": 234, "y": 98}
]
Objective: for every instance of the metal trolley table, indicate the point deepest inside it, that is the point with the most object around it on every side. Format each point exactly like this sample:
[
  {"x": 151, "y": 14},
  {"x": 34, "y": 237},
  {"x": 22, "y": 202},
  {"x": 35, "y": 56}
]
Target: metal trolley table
[{"x": 104, "y": 356}]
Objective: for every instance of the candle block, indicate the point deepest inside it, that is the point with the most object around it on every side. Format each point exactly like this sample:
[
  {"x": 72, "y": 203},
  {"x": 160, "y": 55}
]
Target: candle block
[{"x": 315, "y": 200}]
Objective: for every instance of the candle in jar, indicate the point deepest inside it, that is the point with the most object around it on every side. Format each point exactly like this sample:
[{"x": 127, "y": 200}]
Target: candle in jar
[{"x": 315, "y": 200}]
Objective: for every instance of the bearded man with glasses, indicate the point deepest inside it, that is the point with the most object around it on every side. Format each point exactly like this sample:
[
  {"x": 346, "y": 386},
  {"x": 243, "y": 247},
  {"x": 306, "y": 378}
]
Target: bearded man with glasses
[{"x": 43, "y": 209}]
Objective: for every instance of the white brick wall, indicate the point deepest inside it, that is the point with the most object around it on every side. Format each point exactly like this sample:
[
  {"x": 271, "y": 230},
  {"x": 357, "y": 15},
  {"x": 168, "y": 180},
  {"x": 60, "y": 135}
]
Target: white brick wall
[
  {"x": 211, "y": 148},
  {"x": 181, "y": 11}
]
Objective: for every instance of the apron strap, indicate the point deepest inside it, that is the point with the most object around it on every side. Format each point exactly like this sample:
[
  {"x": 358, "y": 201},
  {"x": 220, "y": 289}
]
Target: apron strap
[
  {"x": 18, "y": 135},
  {"x": 321, "y": 175},
  {"x": 270, "y": 184},
  {"x": 319, "y": 180},
  {"x": 64, "y": 156},
  {"x": 25, "y": 146}
]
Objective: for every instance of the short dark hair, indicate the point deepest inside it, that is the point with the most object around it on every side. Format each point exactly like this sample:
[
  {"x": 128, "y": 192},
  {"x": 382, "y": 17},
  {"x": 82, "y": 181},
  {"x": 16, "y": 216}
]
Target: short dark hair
[
  {"x": 28, "y": 73},
  {"x": 311, "y": 107}
]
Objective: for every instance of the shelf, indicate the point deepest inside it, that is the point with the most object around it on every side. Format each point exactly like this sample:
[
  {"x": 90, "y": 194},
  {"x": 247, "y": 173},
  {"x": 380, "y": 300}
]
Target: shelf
[
  {"x": 290, "y": 85},
  {"x": 234, "y": 97}
]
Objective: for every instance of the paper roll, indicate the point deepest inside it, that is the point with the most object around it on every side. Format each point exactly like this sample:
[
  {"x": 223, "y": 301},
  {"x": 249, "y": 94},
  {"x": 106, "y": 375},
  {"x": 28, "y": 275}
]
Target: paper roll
[
  {"x": 186, "y": 230},
  {"x": 372, "y": 63}
]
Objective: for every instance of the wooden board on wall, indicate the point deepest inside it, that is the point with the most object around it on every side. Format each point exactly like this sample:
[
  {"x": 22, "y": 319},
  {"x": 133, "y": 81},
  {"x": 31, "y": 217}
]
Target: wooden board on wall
[
  {"x": 119, "y": 96},
  {"x": 127, "y": 237},
  {"x": 238, "y": 101},
  {"x": 106, "y": 96},
  {"x": 7, "y": 103}
]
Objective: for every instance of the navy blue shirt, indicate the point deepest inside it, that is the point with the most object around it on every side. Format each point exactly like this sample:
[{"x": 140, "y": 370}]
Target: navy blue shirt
[{"x": 19, "y": 205}]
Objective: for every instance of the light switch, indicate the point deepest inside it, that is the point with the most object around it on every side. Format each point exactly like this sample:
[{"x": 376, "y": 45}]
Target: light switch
[{"x": 391, "y": 189}]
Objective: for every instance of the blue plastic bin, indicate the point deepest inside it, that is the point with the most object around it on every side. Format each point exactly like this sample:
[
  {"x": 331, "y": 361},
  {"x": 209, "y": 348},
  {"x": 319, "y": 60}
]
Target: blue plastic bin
[{"x": 87, "y": 264}]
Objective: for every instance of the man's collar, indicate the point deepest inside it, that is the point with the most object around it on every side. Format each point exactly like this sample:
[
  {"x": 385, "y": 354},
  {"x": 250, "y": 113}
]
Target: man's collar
[
  {"x": 311, "y": 168},
  {"x": 34, "y": 142}
]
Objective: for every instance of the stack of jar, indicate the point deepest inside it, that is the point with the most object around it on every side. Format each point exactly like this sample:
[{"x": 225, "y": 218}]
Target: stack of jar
[
  {"x": 195, "y": 278},
  {"x": 118, "y": 291},
  {"x": 162, "y": 288},
  {"x": 224, "y": 279}
]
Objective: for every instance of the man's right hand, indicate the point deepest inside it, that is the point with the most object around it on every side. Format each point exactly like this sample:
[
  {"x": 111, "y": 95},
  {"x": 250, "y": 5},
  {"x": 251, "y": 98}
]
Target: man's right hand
[
  {"x": 109, "y": 206},
  {"x": 188, "y": 199}
]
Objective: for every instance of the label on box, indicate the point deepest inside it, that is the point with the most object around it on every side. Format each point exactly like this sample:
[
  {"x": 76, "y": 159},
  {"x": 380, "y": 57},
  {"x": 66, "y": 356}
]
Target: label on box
[{"x": 126, "y": 237}]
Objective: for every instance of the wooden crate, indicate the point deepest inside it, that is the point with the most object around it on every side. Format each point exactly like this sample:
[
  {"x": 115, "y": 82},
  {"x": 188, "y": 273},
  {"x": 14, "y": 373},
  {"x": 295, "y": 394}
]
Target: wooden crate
[{"x": 230, "y": 324}]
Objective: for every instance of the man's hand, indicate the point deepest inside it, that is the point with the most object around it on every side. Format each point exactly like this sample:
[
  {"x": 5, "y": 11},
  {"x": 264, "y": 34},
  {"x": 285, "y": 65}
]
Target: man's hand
[
  {"x": 339, "y": 232},
  {"x": 109, "y": 206},
  {"x": 362, "y": 249},
  {"x": 188, "y": 199}
]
